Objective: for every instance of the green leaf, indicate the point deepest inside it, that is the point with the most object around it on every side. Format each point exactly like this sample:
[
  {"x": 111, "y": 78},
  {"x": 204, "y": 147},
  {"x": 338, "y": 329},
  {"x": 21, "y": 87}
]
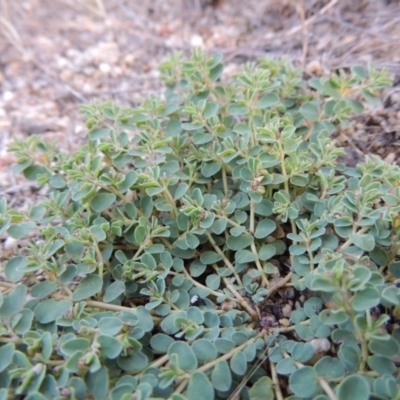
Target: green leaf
[
  {"x": 210, "y": 110},
  {"x": 49, "y": 310},
  {"x": 286, "y": 366},
  {"x": 237, "y": 109},
  {"x": 18, "y": 231},
  {"x": 6, "y": 354},
  {"x": 302, "y": 352},
  {"x": 370, "y": 98},
  {"x": 199, "y": 387},
  {"x": 264, "y": 228},
  {"x": 330, "y": 367},
  {"x": 101, "y": 201},
  {"x": 186, "y": 356},
  {"x": 145, "y": 318},
  {"x": 221, "y": 377},
  {"x": 202, "y": 138},
  {"x": 210, "y": 257},
  {"x": 57, "y": 181},
  {"x": 290, "y": 146},
  {"x": 77, "y": 344},
  {"x": 197, "y": 268},
  {"x": 297, "y": 250},
  {"x": 134, "y": 362},
  {"x": 216, "y": 72},
  {"x": 161, "y": 342},
  {"x": 97, "y": 383},
  {"x": 245, "y": 256},
  {"x": 267, "y": 101},
  {"x": 110, "y": 347},
  {"x": 363, "y": 241},
  {"x": 180, "y": 191},
  {"x": 32, "y": 172},
  {"x": 174, "y": 128},
  {"x": 113, "y": 291},
  {"x": 219, "y": 225},
  {"x": 130, "y": 179},
  {"x": 140, "y": 234},
  {"x": 359, "y": 72},
  {"x": 238, "y": 364},
  {"x": 309, "y": 111},
  {"x": 323, "y": 283},
  {"x": 391, "y": 295},
  {"x": 110, "y": 326},
  {"x": 266, "y": 252},
  {"x": 382, "y": 365},
  {"x": 304, "y": 382},
  {"x": 204, "y": 350},
  {"x": 12, "y": 302},
  {"x": 386, "y": 347},
  {"x": 350, "y": 356},
  {"x": 99, "y": 133},
  {"x": 239, "y": 242},
  {"x": 333, "y": 317},
  {"x": 209, "y": 170},
  {"x": 353, "y": 387},
  {"x": 88, "y": 287},
  {"x": 263, "y": 389},
  {"x": 22, "y": 321},
  {"x": 43, "y": 289},
  {"x": 365, "y": 299},
  {"x": 213, "y": 281}
]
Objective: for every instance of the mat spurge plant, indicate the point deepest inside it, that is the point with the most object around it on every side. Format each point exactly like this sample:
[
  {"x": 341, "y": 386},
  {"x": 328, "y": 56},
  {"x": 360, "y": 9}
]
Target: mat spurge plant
[{"x": 207, "y": 245}]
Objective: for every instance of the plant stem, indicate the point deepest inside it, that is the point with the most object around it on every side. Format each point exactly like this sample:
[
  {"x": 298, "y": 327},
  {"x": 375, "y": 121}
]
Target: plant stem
[
  {"x": 224, "y": 180},
  {"x": 259, "y": 266},
  {"x": 230, "y": 354},
  {"x": 241, "y": 300},
  {"x": 226, "y": 261},
  {"x": 100, "y": 265},
  {"x": 170, "y": 200},
  {"x": 275, "y": 381},
  {"x": 281, "y": 283},
  {"x": 198, "y": 284},
  {"x": 327, "y": 389},
  {"x": 181, "y": 387},
  {"x": 346, "y": 244}
]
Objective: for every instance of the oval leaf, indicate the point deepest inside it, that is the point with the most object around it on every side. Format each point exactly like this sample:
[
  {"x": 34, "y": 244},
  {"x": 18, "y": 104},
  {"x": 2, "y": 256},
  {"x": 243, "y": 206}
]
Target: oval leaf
[
  {"x": 221, "y": 377},
  {"x": 89, "y": 286},
  {"x": 200, "y": 387},
  {"x": 102, "y": 201},
  {"x": 365, "y": 242}
]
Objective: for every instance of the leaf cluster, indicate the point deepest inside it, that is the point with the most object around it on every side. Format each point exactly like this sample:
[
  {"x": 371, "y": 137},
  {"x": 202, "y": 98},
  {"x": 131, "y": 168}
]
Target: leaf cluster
[{"x": 205, "y": 244}]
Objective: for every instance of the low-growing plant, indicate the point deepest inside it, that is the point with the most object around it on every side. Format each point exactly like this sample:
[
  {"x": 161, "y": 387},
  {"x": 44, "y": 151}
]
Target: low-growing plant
[{"x": 207, "y": 245}]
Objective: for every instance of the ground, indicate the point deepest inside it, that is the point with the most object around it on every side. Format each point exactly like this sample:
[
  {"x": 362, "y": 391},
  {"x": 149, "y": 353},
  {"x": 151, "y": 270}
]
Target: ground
[{"x": 56, "y": 55}]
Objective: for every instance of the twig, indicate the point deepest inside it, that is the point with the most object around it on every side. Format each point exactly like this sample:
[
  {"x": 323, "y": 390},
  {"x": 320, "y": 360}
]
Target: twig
[
  {"x": 275, "y": 381},
  {"x": 304, "y": 29},
  {"x": 99, "y": 10},
  {"x": 8, "y": 29},
  {"x": 307, "y": 22}
]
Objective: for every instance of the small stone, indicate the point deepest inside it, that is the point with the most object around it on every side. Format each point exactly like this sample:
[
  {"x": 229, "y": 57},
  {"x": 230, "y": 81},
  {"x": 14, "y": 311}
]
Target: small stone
[
  {"x": 105, "y": 68},
  {"x": 7, "y": 95},
  {"x": 321, "y": 345},
  {"x": 130, "y": 60},
  {"x": 284, "y": 322},
  {"x": 287, "y": 310},
  {"x": 314, "y": 68},
  {"x": 390, "y": 158},
  {"x": 196, "y": 41},
  {"x": 9, "y": 245}
]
